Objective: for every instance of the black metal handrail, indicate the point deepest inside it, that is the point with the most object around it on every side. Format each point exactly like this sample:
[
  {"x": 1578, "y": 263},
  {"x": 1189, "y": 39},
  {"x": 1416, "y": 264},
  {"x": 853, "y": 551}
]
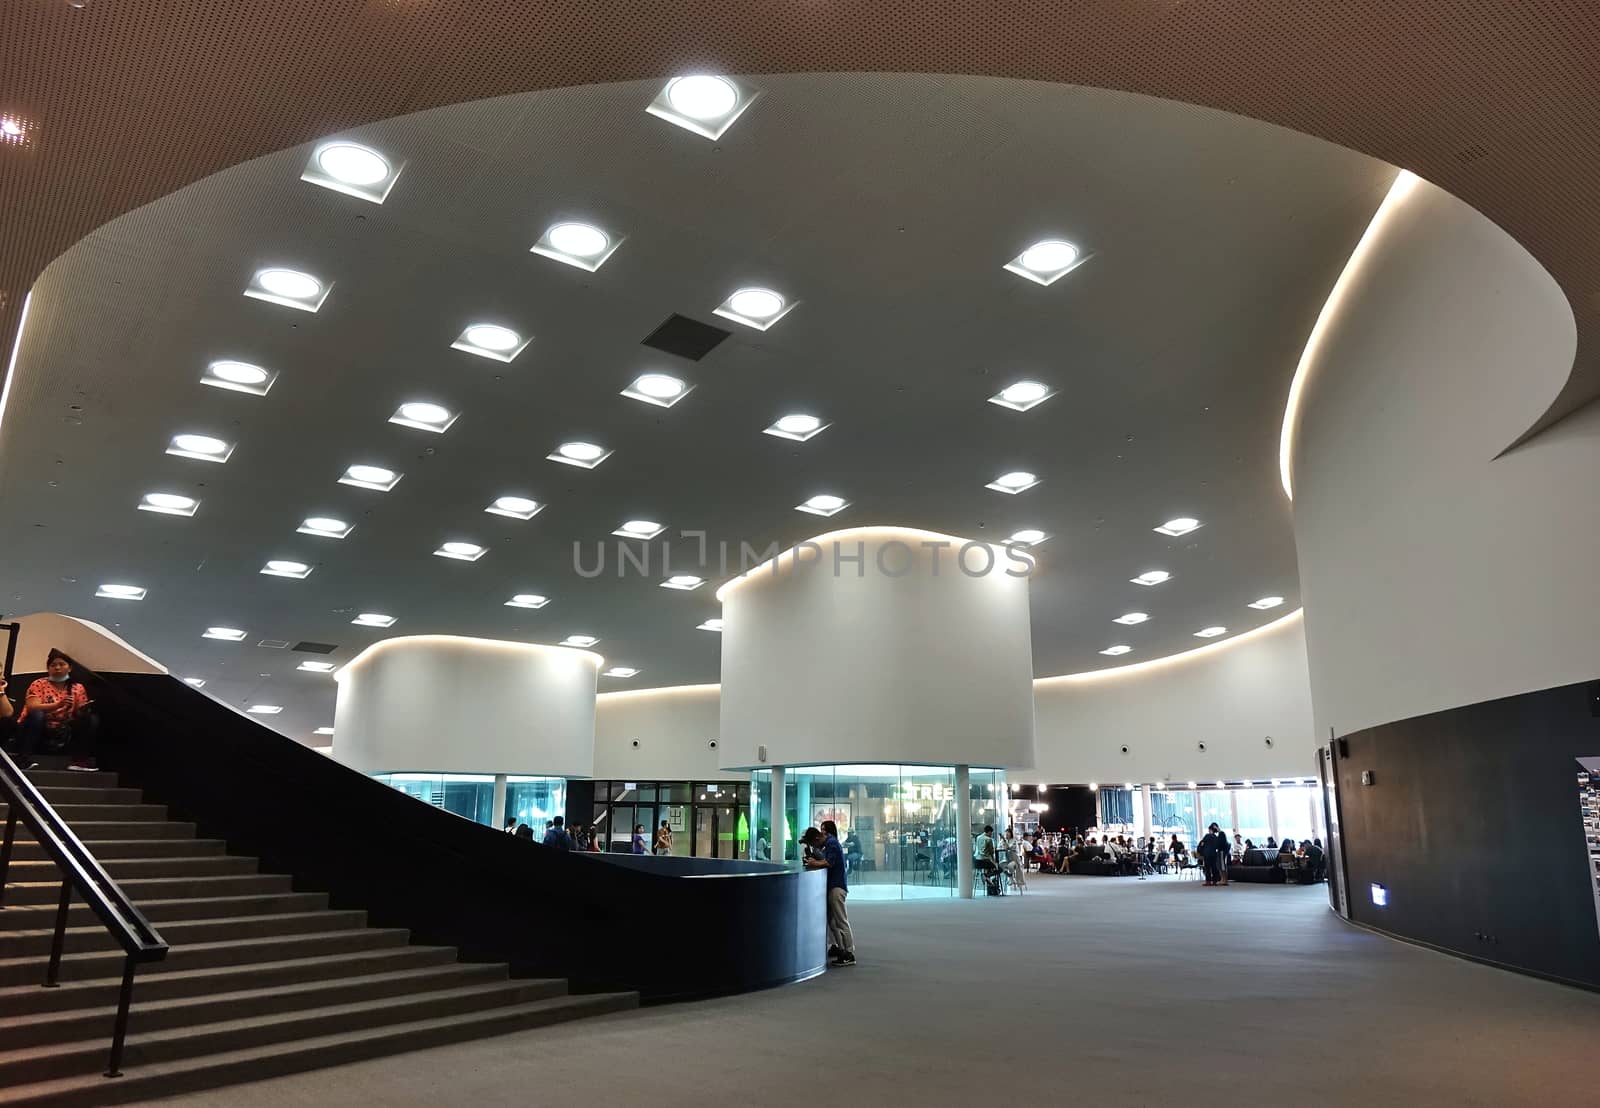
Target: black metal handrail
[{"x": 82, "y": 873}]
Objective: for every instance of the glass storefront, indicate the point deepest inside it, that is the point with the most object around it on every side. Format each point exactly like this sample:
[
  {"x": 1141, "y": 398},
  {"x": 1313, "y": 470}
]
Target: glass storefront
[
  {"x": 708, "y": 819},
  {"x": 532, "y": 800},
  {"x": 897, "y": 824},
  {"x": 1285, "y": 810}
]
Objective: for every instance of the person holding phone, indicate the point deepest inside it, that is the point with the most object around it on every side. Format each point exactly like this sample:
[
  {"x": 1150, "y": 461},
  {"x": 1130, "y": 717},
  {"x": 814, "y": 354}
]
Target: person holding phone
[{"x": 55, "y": 713}]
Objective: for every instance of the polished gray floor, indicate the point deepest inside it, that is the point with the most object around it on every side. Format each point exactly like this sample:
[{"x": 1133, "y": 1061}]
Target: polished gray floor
[{"x": 1086, "y": 990}]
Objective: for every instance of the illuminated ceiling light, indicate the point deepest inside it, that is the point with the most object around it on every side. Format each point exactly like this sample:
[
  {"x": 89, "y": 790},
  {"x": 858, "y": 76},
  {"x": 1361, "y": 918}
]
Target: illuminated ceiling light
[
  {"x": 492, "y": 341},
  {"x": 323, "y": 731},
  {"x": 195, "y": 682},
  {"x": 584, "y": 455},
  {"x": 1114, "y": 651},
  {"x": 461, "y": 551},
  {"x": 1014, "y": 482},
  {"x": 315, "y": 667},
  {"x": 1092, "y": 785},
  {"x": 264, "y": 709},
  {"x": 1249, "y": 784},
  {"x": 373, "y": 619},
  {"x": 684, "y": 582},
  {"x": 702, "y": 103},
  {"x": 1176, "y": 527},
  {"x": 1152, "y": 577},
  {"x": 797, "y": 426},
  {"x": 325, "y": 527},
  {"x": 226, "y": 634},
  {"x": 1221, "y": 785},
  {"x": 238, "y": 377},
  {"x": 1266, "y": 602},
  {"x": 282, "y": 567},
  {"x": 1161, "y": 786},
  {"x": 203, "y": 448},
  {"x": 710, "y": 625},
  {"x": 583, "y": 641},
  {"x": 1022, "y": 395},
  {"x": 1029, "y": 536},
  {"x": 823, "y": 504},
  {"x": 515, "y": 507},
  {"x": 371, "y": 477},
  {"x": 1047, "y": 262},
  {"x": 352, "y": 169},
  {"x": 1192, "y": 785},
  {"x": 1128, "y": 785},
  {"x": 527, "y": 600},
  {"x": 659, "y": 389},
  {"x": 12, "y": 128},
  {"x": 639, "y": 529},
  {"x": 168, "y": 504},
  {"x": 120, "y": 592},
  {"x": 1131, "y": 618},
  {"x": 755, "y": 307},
  {"x": 620, "y": 671},
  {"x": 424, "y": 416},
  {"x": 1210, "y": 632},
  {"x": 579, "y": 244},
  {"x": 289, "y": 288}
]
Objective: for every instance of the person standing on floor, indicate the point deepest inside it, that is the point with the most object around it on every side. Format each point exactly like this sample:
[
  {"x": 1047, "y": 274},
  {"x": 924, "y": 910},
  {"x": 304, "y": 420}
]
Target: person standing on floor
[
  {"x": 841, "y": 943},
  {"x": 663, "y": 845},
  {"x": 638, "y": 838},
  {"x": 557, "y": 836},
  {"x": 1214, "y": 855}
]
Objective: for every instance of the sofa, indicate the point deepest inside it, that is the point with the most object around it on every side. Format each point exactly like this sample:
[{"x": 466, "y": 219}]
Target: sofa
[
  {"x": 1259, "y": 865},
  {"x": 1092, "y": 862}
]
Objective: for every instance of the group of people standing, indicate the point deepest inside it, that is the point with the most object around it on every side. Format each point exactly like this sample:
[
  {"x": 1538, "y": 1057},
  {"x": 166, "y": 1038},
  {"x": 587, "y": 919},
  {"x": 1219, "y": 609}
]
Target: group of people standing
[{"x": 588, "y": 839}]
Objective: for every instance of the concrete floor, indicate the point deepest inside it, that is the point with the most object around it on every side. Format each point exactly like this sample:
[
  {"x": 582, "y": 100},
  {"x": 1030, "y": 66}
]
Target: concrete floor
[{"x": 1086, "y": 990}]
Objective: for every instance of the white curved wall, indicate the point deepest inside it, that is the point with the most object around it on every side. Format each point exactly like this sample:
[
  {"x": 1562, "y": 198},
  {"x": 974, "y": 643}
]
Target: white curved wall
[
  {"x": 674, "y": 728},
  {"x": 89, "y": 643},
  {"x": 821, "y": 666},
  {"x": 1433, "y": 573},
  {"x": 462, "y": 705}
]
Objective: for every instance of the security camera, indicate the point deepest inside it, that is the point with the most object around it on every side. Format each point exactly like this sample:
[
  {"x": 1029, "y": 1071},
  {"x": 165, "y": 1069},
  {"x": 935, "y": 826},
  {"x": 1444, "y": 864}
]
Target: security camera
[
  {"x": 712, "y": 744},
  {"x": 1269, "y": 740},
  {"x": 635, "y": 742},
  {"x": 1124, "y": 750},
  {"x": 1202, "y": 747}
]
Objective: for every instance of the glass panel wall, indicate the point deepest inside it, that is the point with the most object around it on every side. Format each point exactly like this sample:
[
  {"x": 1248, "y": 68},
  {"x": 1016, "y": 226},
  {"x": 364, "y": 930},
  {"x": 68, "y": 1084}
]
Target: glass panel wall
[
  {"x": 706, "y": 819},
  {"x": 1255, "y": 812},
  {"x": 471, "y": 795},
  {"x": 1254, "y": 821}
]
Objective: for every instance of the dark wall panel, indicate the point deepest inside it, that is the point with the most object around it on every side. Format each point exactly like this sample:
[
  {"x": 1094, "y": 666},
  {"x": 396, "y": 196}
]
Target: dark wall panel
[{"x": 1472, "y": 823}]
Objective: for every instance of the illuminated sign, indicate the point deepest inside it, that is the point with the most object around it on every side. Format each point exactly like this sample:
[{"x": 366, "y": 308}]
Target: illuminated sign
[{"x": 926, "y": 792}]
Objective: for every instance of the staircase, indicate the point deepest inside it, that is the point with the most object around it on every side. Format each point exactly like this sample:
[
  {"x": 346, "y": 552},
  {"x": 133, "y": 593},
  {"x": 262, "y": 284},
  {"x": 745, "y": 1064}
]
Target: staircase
[{"x": 260, "y": 980}]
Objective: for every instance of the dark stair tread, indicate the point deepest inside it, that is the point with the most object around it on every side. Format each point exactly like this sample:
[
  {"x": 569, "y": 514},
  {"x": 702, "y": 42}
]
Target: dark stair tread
[
  {"x": 353, "y": 916},
  {"x": 378, "y": 935},
  {"x": 35, "y": 917}
]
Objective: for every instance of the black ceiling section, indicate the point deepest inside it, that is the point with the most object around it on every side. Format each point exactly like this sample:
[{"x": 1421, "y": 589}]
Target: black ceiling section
[
  {"x": 684, "y": 337},
  {"x": 315, "y": 647}
]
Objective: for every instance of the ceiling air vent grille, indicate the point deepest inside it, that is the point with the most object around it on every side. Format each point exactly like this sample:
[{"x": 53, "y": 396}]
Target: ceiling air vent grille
[
  {"x": 314, "y": 647},
  {"x": 685, "y": 338},
  {"x": 274, "y": 644}
]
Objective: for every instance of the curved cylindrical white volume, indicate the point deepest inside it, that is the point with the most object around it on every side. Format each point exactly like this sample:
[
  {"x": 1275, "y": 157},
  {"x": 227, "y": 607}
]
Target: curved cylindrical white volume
[
  {"x": 879, "y": 644},
  {"x": 461, "y": 705}
]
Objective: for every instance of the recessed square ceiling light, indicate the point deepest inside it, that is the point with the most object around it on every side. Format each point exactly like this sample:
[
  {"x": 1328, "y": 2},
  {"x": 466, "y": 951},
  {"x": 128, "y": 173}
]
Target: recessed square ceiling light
[
  {"x": 581, "y": 244},
  {"x": 288, "y": 287},
  {"x": 685, "y": 582},
  {"x": 1152, "y": 577},
  {"x": 823, "y": 504},
  {"x": 1266, "y": 602},
  {"x": 620, "y": 671},
  {"x": 373, "y": 619},
  {"x": 281, "y": 567},
  {"x": 353, "y": 169},
  {"x": 226, "y": 634},
  {"x": 1022, "y": 395},
  {"x": 168, "y": 504},
  {"x": 195, "y": 682},
  {"x": 325, "y": 527},
  {"x": 797, "y": 426},
  {"x": 490, "y": 340},
  {"x": 424, "y": 416},
  {"x": 323, "y": 731},
  {"x": 1210, "y": 632},
  {"x": 461, "y": 551},
  {"x": 755, "y": 307},
  {"x": 527, "y": 600},
  {"x": 315, "y": 667},
  {"x": 371, "y": 477},
  {"x": 120, "y": 592},
  {"x": 204, "y": 448},
  {"x": 515, "y": 507},
  {"x": 583, "y": 641},
  {"x": 1029, "y": 536},
  {"x": 584, "y": 455},
  {"x": 264, "y": 709},
  {"x": 702, "y": 103},
  {"x": 238, "y": 377},
  {"x": 1131, "y": 618},
  {"x": 1113, "y": 651},
  {"x": 1014, "y": 482},
  {"x": 711, "y": 625},
  {"x": 1047, "y": 261},
  {"x": 660, "y": 389},
  {"x": 1176, "y": 527},
  {"x": 640, "y": 529}
]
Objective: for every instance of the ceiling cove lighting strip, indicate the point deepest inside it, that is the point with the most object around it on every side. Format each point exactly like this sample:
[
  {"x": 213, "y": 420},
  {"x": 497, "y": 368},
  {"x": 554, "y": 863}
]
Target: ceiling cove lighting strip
[
  {"x": 1402, "y": 187},
  {"x": 11, "y": 366}
]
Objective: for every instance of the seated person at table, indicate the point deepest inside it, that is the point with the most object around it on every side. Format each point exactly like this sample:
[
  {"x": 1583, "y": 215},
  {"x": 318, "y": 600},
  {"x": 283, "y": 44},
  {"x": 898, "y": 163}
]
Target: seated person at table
[
  {"x": 983, "y": 859},
  {"x": 56, "y": 715},
  {"x": 1248, "y": 845},
  {"x": 852, "y": 851},
  {"x": 1286, "y": 847},
  {"x": 1012, "y": 863},
  {"x": 1240, "y": 845},
  {"x": 1176, "y": 847},
  {"x": 1272, "y": 844}
]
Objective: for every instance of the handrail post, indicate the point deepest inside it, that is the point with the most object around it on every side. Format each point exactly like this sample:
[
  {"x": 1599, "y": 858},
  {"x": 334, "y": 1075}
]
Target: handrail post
[
  {"x": 125, "y": 998},
  {"x": 53, "y": 974},
  {"x": 5, "y": 850}
]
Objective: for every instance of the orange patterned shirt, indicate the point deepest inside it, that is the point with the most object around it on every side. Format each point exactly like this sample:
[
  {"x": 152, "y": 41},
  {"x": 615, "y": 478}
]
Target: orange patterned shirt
[{"x": 60, "y": 700}]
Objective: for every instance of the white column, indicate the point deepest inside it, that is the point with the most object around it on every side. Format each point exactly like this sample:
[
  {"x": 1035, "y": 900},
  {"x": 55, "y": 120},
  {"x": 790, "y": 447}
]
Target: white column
[
  {"x": 802, "y": 803},
  {"x": 964, "y": 831},
  {"x": 778, "y": 836},
  {"x": 497, "y": 816}
]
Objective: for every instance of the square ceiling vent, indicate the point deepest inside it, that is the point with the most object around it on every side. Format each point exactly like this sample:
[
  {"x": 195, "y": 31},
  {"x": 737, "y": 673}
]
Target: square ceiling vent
[
  {"x": 315, "y": 647},
  {"x": 685, "y": 338}
]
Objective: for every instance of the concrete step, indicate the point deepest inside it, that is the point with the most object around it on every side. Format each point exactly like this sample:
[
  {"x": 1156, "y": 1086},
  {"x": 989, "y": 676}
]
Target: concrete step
[
  {"x": 237, "y": 952},
  {"x": 71, "y": 779},
  {"x": 131, "y": 848},
  {"x": 122, "y": 868},
  {"x": 31, "y": 1000},
  {"x": 80, "y": 940},
  {"x": 140, "y": 889},
  {"x": 96, "y": 813},
  {"x": 58, "y": 795},
  {"x": 37, "y": 917},
  {"x": 93, "y": 831},
  {"x": 146, "y": 1016},
  {"x": 146, "y": 1076}
]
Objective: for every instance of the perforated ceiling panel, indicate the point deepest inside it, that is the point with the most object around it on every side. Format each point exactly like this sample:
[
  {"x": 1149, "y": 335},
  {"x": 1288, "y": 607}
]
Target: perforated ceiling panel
[{"x": 126, "y": 100}]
